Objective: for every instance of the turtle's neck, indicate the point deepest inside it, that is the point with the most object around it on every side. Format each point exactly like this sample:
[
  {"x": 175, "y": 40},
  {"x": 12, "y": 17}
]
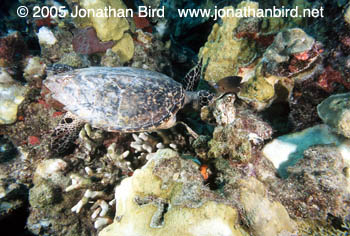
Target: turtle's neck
[{"x": 192, "y": 98}]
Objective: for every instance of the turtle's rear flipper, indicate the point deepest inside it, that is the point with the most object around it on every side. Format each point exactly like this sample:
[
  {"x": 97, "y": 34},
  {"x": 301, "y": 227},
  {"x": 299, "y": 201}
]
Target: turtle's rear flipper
[{"x": 64, "y": 135}]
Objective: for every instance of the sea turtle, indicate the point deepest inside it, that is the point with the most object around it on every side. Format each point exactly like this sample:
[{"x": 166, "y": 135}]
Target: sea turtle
[{"x": 120, "y": 99}]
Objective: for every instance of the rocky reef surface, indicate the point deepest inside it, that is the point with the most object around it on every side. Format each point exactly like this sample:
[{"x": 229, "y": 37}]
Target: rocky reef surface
[{"x": 271, "y": 154}]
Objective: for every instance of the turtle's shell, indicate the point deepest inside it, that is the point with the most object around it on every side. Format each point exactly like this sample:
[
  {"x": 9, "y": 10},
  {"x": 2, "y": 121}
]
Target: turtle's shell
[{"x": 118, "y": 99}]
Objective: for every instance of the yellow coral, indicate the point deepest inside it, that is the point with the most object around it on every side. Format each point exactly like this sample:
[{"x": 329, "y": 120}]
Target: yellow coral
[
  {"x": 110, "y": 28},
  {"x": 11, "y": 96},
  {"x": 347, "y": 15},
  {"x": 258, "y": 89},
  {"x": 207, "y": 219},
  {"x": 265, "y": 217},
  {"x": 107, "y": 28},
  {"x": 124, "y": 48},
  {"x": 223, "y": 53}
]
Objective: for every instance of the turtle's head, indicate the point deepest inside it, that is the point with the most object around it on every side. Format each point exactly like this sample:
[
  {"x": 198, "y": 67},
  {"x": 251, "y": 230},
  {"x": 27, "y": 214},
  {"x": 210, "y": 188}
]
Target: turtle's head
[
  {"x": 205, "y": 97},
  {"x": 199, "y": 99}
]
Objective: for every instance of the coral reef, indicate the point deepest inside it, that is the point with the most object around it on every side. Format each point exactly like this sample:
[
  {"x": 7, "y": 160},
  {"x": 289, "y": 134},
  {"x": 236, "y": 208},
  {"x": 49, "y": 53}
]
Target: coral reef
[
  {"x": 161, "y": 190},
  {"x": 292, "y": 58},
  {"x": 263, "y": 216},
  {"x": 55, "y": 43},
  {"x": 46, "y": 199},
  {"x": 326, "y": 230},
  {"x": 153, "y": 4},
  {"x": 51, "y": 169},
  {"x": 124, "y": 48},
  {"x": 223, "y": 54},
  {"x": 237, "y": 42},
  {"x": 347, "y": 15},
  {"x": 34, "y": 70},
  {"x": 317, "y": 185},
  {"x": 106, "y": 30},
  {"x": 110, "y": 59},
  {"x": 303, "y": 104},
  {"x": 85, "y": 41},
  {"x": 12, "y": 49},
  {"x": 291, "y": 52},
  {"x": 238, "y": 134},
  {"x": 46, "y": 37},
  {"x": 12, "y": 95},
  {"x": 109, "y": 29},
  {"x": 142, "y": 23},
  {"x": 286, "y": 150},
  {"x": 73, "y": 60},
  {"x": 151, "y": 53},
  {"x": 335, "y": 112},
  {"x": 330, "y": 78},
  {"x": 258, "y": 91}
]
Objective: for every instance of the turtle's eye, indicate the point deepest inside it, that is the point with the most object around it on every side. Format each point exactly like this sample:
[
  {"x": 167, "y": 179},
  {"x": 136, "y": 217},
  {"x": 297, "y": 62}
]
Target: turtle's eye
[{"x": 67, "y": 121}]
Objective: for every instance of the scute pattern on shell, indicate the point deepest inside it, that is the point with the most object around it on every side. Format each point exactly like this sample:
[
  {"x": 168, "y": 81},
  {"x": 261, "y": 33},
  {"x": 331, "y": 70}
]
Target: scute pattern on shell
[{"x": 118, "y": 99}]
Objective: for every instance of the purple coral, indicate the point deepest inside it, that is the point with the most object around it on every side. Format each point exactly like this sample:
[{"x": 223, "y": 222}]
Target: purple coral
[
  {"x": 12, "y": 48},
  {"x": 85, "y": 41}
]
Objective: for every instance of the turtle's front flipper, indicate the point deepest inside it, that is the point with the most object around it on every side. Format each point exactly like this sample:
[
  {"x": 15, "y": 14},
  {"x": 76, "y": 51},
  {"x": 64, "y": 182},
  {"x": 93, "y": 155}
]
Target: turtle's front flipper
[
  {"x": 191, "y": 131},
  {"x": 64, "y": 135},
  {"x": 192, "y": 78}
]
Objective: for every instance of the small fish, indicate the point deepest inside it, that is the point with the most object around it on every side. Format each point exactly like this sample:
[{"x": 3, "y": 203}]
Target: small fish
[{"x": 229, "y": 84}]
